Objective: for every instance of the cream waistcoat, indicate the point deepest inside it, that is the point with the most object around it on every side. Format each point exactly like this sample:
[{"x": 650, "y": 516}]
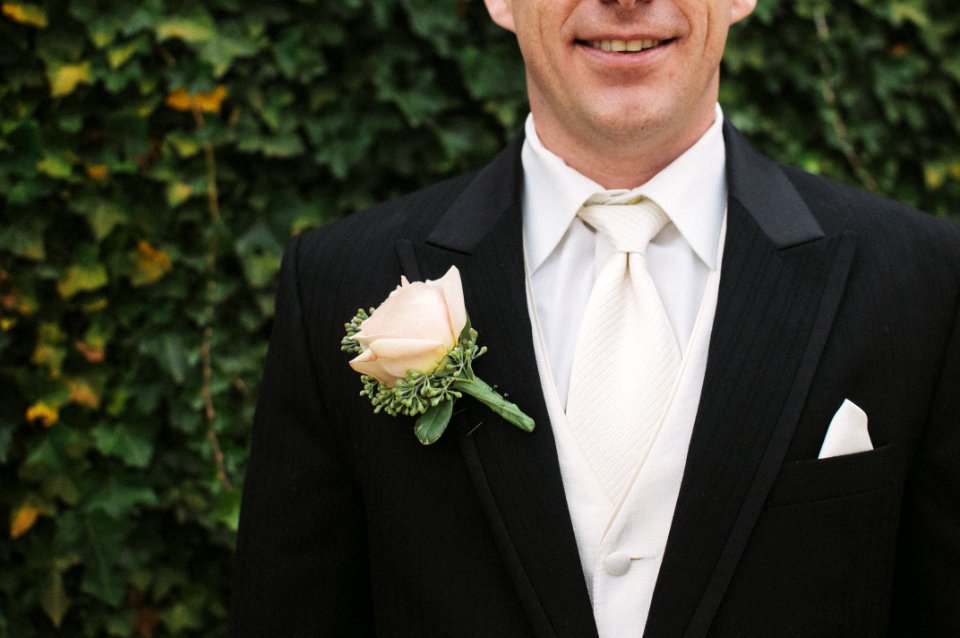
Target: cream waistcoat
[{"x": 621, "y": 545}]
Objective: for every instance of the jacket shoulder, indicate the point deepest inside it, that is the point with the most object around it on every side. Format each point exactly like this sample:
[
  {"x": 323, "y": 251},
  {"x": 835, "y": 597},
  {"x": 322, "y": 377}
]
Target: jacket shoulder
[
  {"x": 875, "y": 218},
  {"x": 408, "y": 216}
]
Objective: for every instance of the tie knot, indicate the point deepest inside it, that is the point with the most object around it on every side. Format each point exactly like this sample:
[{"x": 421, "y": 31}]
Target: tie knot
[{"x": 630, "y": 227}]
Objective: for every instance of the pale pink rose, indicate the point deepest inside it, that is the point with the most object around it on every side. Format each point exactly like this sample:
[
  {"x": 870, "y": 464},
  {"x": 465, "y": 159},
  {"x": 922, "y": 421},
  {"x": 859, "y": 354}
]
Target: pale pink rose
[{"x": 413, "y": 329}]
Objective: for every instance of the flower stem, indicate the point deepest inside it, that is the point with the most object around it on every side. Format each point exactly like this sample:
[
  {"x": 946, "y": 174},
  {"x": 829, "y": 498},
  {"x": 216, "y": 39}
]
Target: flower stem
[{"x": 486, "y": 395}]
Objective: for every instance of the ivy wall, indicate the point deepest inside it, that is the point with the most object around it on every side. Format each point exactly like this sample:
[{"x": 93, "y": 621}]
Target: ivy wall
[{"x": 156, "y": 155}]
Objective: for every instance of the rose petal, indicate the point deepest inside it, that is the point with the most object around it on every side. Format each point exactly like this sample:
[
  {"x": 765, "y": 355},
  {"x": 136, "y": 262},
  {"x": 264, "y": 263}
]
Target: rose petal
[
  {"x": 398, "y": 356},
  {"x": 452, "y": 289},
  {"x": 415, "y": 311},
  {"x": 367, "y": 363}
]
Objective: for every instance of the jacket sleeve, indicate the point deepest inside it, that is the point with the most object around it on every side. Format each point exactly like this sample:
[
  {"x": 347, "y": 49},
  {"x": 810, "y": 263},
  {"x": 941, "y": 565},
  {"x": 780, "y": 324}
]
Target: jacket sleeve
[
  {"x": 927, "y": 590},
  {"x": 301, "y": 565}
]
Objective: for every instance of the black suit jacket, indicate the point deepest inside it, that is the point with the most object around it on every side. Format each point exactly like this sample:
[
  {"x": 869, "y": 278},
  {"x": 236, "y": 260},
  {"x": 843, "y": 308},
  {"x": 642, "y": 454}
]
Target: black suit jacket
[{"x": 350, "y": 527}]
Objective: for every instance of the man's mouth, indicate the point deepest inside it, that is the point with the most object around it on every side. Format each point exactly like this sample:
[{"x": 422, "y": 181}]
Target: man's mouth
[{"x": 626, "y": 46}]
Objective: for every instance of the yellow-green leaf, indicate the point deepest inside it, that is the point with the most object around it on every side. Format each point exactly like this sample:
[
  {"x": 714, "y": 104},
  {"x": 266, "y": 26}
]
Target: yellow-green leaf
[
  {"x": 177, "y": 193},
  {"x": 82, "y": 278},
  {"x": 64, "y": 78},
  {"x": 909, "y": 12},
  {"x": 49, "y": 351},
  {"x": 55, "y": 165},
  {"x": 185, "y": 145},
  {"x": 104, "y": 217},
  {"x": 187, "y": 29},
  {"x": 119, "y": 54}
]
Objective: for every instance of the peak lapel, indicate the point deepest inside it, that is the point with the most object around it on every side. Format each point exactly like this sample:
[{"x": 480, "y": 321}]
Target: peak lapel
[
  {"x": 781, "y": 284},
  {"x": 516, "y": 475}
]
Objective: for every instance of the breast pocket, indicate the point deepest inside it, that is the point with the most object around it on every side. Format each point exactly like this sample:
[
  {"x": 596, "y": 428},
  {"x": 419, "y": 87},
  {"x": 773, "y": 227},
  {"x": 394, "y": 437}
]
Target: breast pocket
[
  {"x": 822, "y": 552},
  {"x": 835, "y": 477}
]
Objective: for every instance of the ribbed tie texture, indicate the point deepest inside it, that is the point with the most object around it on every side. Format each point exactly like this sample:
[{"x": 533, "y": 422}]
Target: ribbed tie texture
[{"x": 626, "y": 358}]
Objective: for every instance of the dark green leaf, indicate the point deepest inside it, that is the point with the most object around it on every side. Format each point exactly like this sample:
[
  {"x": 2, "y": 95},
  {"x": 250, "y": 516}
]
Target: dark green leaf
[{"x": 432, "y": 423}]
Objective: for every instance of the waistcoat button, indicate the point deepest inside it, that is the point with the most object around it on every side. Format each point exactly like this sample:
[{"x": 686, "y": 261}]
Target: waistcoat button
[{"x": 617, "y": 563}]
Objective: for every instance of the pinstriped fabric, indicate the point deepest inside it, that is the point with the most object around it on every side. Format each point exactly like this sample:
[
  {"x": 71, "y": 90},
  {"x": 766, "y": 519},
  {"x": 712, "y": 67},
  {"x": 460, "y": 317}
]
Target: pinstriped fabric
[{"x": 627, "y": 358}]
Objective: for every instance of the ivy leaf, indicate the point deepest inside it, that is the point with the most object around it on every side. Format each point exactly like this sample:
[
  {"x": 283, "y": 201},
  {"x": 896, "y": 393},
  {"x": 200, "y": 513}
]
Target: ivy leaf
[
  {"x": 133, "y": 448},
  {"x": 82, "y": 277},
  {"x": 25, "y": 13},
  {"x": 55, "y": 165},
  {"x": 260, "y": 253},
  {"x": 119, "y": 54},
  {"x": 117, "y": 500},
  {"x": 194, "y": 29},
  {"x": 25, "y": 239},
  {"x": 102, "y": 540},
  {"x": 94, "y": 542},
  {"x": 64, "y": 78},
  {"x": 183, "y": 617},
  {"x": 432, "y": 423},
  {"x": 169, "y": 351},
  {"x": 104, "y": 217},
  {"x": 53, "y": 598}
]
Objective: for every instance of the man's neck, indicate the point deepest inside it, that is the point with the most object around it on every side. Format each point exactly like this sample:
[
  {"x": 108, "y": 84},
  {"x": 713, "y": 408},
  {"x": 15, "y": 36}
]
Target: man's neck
[{"x": 620, "y": 161}]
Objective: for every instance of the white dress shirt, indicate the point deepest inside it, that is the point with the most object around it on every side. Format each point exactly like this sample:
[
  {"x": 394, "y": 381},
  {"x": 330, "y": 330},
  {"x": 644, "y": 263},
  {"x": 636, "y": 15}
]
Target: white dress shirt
[{"x": 564, "y": 256}]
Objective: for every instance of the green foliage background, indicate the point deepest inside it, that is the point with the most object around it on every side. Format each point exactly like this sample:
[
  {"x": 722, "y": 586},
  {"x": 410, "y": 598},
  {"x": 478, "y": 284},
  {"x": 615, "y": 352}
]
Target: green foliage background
[{"x": 139, "y": 242}]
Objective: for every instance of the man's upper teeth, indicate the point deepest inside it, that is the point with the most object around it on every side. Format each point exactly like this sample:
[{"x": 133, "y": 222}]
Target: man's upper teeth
[{"x": 624, "y": 45}]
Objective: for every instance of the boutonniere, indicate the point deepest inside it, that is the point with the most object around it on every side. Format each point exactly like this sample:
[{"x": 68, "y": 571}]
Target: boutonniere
[{"x": 415, "y": 354}]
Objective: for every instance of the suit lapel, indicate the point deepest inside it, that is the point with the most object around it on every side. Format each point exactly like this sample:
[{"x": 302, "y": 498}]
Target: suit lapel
[
  {"x": 781, "y": 284},
  {"x": 515, "y": 474}
]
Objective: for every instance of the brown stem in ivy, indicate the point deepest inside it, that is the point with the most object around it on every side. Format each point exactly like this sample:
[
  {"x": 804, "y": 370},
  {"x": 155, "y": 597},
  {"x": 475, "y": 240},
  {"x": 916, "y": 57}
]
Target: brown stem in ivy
[
  {"x": 830, "y": 97},
  {"x": 206, "y": 357}
]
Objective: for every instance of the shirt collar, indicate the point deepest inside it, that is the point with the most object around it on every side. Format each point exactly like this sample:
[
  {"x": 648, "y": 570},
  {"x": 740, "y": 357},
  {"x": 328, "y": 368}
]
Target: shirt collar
[{"x": 692, "y": 191}]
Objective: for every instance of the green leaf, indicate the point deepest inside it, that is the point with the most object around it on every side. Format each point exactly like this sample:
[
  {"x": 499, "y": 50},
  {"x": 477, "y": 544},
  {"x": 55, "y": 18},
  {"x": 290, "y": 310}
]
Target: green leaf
[
  {"x": 95, "y": 542},
  {"x": 183, "y": 617},
  {"x": 118, "y": 500},
  {"x": 260, "y": 254},
  {"x": 168, "y": 350},
  {"x": 131, "y": 446},
  {"x": 432, "y": 423},
  {"x": 25, "y": 239},
  {"x": 53, "y": 598},
  {"x": 103, "y": 539},
  {"x": 226, "y": 510},
  {"x": 62, "y": 486}
]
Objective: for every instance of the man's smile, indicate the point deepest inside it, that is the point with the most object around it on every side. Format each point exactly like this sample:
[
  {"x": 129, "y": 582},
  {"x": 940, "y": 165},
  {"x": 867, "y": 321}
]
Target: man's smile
[{"x": 625, "y": 46}]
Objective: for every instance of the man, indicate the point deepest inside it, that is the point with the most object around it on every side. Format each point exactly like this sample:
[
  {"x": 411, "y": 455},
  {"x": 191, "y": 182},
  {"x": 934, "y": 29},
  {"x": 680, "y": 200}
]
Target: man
[{"x": 801, "y": 477}]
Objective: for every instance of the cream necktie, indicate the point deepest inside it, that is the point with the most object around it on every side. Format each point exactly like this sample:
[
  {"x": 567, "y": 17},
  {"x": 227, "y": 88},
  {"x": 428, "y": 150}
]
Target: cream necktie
[{"x": 626, "y": 358}]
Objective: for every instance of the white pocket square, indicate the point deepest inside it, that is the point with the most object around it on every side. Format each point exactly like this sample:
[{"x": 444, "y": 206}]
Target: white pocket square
[{"x": 847, "y": 433}]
